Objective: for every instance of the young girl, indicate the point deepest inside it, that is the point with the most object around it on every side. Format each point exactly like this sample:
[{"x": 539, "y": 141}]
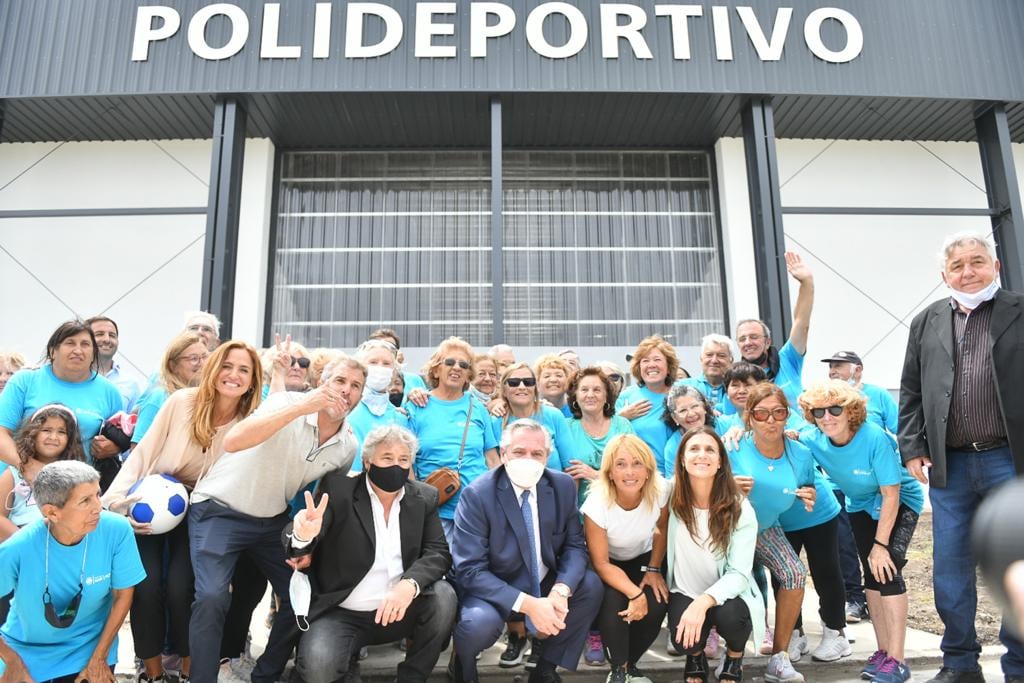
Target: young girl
[{"x": 51, "y": 434}]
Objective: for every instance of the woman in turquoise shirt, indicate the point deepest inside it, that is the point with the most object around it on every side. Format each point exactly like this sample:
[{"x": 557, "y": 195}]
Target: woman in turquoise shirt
[
  {"x": 594, "y": 423},
  {"x": 375, "y": 408},
  {"x": 654, "y": 367},
  {"x": 883, "y": 501},
  {"x": 518, "y": 390},
  {"x": 686, "y": 408}
]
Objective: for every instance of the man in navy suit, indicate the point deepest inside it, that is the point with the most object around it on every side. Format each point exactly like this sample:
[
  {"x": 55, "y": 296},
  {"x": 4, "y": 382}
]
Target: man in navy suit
[{"x": 518, "y": 549}]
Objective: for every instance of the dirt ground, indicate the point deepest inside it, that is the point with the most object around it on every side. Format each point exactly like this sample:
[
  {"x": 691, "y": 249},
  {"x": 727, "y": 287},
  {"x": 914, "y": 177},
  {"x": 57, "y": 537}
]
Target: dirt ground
[{"x": 918, "y": 575}]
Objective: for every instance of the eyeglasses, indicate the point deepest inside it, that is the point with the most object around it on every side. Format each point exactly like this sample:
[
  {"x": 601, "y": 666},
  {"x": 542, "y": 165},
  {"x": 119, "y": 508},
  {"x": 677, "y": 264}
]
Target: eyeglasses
[
  {"x": 750, "y": 337},
  {"x": 525, "y": 381},
  {"x": 615, "y": 378},
  {"x": 194, "y": 358},
  {"x": 201, "y": 328},
  {"x": 451, "y": 362},
  {"x": 834, "y": 411},
  {"x": 303, "y": 362},
  {"x": 682, "y": 412},
  {"x": 762, "y": 414}
]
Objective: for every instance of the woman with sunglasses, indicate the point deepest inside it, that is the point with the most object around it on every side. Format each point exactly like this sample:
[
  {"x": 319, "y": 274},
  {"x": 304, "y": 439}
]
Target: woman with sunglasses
[
  {"x": 518, "y": 390},
  {"x": 181, "y": 366},
  {"x": 286, "y": 367},
  {"x": 884, "y": 503},
  {"x": 775, "y": 473},
  {"x": 73, "y": 574},
  {"x": 453, "y": 428}
]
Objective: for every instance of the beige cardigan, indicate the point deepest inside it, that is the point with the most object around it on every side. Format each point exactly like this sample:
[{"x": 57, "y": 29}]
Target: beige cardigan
[{"x": 168, "y": 448}]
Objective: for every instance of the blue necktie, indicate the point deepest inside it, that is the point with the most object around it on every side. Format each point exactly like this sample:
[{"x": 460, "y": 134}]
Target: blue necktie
[{"x": 531, "y": 539}]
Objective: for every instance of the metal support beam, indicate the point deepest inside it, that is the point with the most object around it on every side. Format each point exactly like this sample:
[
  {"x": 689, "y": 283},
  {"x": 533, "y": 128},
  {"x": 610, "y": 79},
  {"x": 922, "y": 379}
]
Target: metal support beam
[
  {"x": 497, "y": 226},
  {"x": 766, "y": 216},
  {"x": 882, "y": 211},
  {"x": 220, "y": 255},
  {"x": 1003, "y": 192}
]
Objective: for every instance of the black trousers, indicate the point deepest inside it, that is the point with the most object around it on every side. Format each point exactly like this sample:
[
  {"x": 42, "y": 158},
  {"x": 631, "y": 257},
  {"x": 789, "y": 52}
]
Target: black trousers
[
  {"x": 162, "y": 604},
  {"x": 626, "y": 643},
  {"x": 822, "y": 546},
  {"x": 731, "y": 620},
  {"x": 864, "y": 528}
]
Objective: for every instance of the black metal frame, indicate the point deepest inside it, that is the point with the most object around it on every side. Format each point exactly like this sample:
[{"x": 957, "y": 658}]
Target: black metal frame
[
  {"x": 268, "y": 299},
  {"x": 497, "y": 225},
  {"x": 994, "y": 144}
]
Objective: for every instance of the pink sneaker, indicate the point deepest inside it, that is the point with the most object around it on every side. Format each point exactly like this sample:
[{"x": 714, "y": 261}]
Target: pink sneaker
[
  {"x": 767, "y": 643},
  {"x": 712, "y": 647},
  {"x": 593, "y": 655}
]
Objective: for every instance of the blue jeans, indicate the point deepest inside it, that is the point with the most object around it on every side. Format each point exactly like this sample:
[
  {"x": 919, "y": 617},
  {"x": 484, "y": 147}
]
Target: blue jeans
[{"x": 970, "y": 478}]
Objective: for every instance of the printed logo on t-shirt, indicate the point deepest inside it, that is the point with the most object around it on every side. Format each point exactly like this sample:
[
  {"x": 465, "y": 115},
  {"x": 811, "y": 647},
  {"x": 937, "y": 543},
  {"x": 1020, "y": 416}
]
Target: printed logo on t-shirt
[
  {"x": 862, "y": 473},
  {"x": 93, "y": 580}
]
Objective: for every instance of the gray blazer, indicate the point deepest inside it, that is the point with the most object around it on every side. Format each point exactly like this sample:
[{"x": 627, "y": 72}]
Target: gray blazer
[{"x": 927, "y": 385}]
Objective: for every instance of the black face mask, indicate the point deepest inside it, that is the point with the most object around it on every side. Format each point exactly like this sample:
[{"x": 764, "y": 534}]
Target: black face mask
[
  {"x": 65, "y": 618},
  {"x": 388, "y": 479},
  {"x": 396, "y": 399}
]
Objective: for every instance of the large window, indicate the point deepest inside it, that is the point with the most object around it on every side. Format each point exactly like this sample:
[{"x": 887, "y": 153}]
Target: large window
[{"x": 599, "y": 248}]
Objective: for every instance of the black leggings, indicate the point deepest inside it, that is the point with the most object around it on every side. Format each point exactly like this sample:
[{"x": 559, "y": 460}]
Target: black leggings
[
  {"x": 864, "y": 529},
  {"x": 731, "y": 619},
  {"x": 154, "y": 609},
  {"x": 248, "y": 585},
  {"x": 822, "y": 545},
  {"x": 626, "y": 643}
]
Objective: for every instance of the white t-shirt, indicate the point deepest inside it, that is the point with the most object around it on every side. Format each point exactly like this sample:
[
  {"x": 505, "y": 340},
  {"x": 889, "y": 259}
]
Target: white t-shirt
[
  {"x": 630, "y": 532},
  {"x": 695, "y": 568}
]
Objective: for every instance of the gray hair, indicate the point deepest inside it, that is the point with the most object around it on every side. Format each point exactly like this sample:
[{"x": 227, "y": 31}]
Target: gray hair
[
  {"x": 763, "y": 324},
  {"x": 498, "y": 348},
  {"x": 678, "y": 391},
  {"x": 347, "y": 361},
  {"x": 717, "y": 340},
  {"x": 525, "y": 424},
  {"x": 391, "y": 433},
  {"x": 209, "y": 317},
  {"x": 966, "y": 238},
  {"x": 54, "y": 483},
  {"x": 369, "y": 344}
]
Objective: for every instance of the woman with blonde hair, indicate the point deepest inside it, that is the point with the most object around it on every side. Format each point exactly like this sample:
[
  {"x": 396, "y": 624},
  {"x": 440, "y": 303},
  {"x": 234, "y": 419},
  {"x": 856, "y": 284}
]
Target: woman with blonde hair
[
  {"x": 625, "y": 518},
  {"x": 884, "y": 503},
  {"x": 518, "y": 391},
  {"x": 10, "y": 363},
  {"x": 180, "y": 367},
  {"x": 654, "y": 366},
  {"x": 186, "y": 439},
  {"x": 553, "y": 376}
]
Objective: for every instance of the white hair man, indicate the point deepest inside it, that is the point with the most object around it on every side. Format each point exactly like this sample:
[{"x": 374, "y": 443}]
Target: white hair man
[{"x": 715, "y": 360}]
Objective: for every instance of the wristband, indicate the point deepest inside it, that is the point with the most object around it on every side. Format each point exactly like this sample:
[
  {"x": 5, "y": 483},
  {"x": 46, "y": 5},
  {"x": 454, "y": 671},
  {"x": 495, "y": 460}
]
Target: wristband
[
  {"x": 648, "y": 568},
  {"x": 637, "y": 596},
  {"x": 884, "y": 545},
  {"x": 295, "y": 537}
]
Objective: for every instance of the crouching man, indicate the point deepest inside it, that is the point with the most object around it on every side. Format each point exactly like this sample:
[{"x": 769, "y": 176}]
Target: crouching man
[{"x": 376, "y": 555}]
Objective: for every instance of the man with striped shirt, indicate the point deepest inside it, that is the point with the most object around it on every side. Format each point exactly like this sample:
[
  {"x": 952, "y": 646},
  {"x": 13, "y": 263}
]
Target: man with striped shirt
[{"x": 962, "y": 419}]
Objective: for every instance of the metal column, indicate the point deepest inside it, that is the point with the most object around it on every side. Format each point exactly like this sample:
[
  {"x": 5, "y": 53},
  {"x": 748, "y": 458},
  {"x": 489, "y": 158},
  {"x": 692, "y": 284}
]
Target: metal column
[
  {"x": 766, "y": 216},
  {"x": 220, "y": 255},
  {"x": 497, "y": 226},
  {"x": 1003, "y": 192}
]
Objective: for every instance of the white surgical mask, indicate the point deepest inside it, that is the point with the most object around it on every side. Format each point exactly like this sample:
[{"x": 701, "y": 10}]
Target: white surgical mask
[
  {"x": 524, "y": 472},
  {"x": 299, "y": 593},
  {"x": 972, "y": 301},
  {"x": 378, "y": 377}
]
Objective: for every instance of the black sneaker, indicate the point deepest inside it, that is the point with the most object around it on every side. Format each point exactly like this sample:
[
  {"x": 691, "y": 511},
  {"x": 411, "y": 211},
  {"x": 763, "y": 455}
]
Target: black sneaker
[
  {"x": 856, "y": 612},
  {"x": 536, "y": 648},
  {"x": 513, "y": 654}
]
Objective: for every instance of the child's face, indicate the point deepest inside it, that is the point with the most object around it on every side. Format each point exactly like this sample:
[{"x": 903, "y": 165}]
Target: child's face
[{"x": 52, "y": 439}]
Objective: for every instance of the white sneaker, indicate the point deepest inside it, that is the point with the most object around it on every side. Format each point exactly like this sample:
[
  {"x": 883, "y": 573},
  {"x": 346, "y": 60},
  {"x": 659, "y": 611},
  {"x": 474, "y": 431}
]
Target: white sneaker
[
  {"x": 798, "y": 646},
  {"x": 833, "y": 647},
  {"x": 780, "y": 670}
]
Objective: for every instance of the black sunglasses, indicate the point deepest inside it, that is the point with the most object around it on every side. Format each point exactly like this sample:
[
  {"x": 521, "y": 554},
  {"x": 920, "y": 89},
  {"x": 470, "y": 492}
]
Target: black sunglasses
[
  {"x": 451, "y": 362},
  {"x": 525, "y": 381},
  {"x": 303, "y": 362},
  {"x": 834, "y": 411}
]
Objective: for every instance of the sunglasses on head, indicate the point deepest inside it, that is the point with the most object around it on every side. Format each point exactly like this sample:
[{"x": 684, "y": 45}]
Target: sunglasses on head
[
  {"x": 525, "y": 381},
  {"x": 834, "y": 411},
  {"x": 762, "y": 414},
  {"x": 451, "y": 362},
  {"x": 303, "y": 362}
]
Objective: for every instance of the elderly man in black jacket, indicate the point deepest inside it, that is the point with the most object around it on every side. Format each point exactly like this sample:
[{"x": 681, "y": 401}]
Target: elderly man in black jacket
[
  {"x": 962, "y": 419},
  {"x": 378, "y": 558}
]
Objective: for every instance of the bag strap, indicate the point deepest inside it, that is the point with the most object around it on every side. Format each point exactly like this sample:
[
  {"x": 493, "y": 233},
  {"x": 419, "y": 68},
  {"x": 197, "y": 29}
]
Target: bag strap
[{"x": 465, "y": 432}]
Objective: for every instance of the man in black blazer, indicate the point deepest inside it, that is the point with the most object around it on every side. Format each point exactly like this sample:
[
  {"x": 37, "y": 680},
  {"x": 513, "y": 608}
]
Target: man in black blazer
[
  {"x": 378, "y": 555},
  {"x": 962, "y": 419}
]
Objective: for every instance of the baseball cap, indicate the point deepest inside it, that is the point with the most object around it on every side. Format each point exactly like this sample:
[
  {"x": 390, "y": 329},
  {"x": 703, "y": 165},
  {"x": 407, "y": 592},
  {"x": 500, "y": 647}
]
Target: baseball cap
[{"x": 843, "y": 357}]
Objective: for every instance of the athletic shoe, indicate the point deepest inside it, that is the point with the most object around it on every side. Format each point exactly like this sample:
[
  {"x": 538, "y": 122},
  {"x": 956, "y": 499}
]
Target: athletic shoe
[
  {"x": 593, "y": 655},
  {"x": 713, "y": 649},
  {"x": 798, "y": 646},
  {"x": 833, "y": 646},
  {"x": 513, "y": 654},
  {"x": 617, "y": 676},
  {"x": 536, "y": 647},
  {"x": 780, "y": 670},
  {"x": 891, "y": 671},
  {"x": 871, "y": 668},
  {"x": 767, "y": 643},
  {"x": 855, "y": 612},
  {"x": 635, "y": 675}
]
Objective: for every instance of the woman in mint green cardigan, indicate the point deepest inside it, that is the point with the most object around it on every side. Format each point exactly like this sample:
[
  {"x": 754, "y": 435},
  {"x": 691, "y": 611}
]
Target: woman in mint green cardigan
[{"x": 712, "y": 532}]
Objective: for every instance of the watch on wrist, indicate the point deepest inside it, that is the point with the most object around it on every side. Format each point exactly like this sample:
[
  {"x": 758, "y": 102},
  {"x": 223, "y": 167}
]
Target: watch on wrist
[
  {"x": 649, "y": 568},
  {"x": 562, "y": 590}
]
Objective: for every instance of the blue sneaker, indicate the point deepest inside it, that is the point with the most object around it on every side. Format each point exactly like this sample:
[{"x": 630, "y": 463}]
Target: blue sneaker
[
  {"x": 871, "y": 668},
  {"x": 891, "y": 671}
]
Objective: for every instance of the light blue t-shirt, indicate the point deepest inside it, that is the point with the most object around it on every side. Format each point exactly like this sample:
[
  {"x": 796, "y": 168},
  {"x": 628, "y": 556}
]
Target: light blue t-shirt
[
  {"x": 790, "y": 375},
  {"x": 860, "y": 467},
  {"x": 93, "y": 400},
  {"x": 882, "y": 408},
  {"x": 363, "y": 422},
  {"x": 111, "y": 563},
  {"x": 826, "y": 507},
  {"x": 716, "y": 396},
  {"x": 590, "y": 450},
  {"x": 412, "y": 381},
  {"x": 22, "y": 509},
  {"x": 439, "y": 427},
  {"x": 563, "y": 446},
  {"x": 775, "y": 481},
  {"x": 148, "y": 408},
  {"x": 649, "y": 427}
]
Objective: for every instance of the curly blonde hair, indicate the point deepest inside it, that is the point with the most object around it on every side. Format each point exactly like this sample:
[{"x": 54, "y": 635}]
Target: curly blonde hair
[
  {"x": 834, "y": 392},
  {"x": 437, "y": 359},
  {"x": 554, "y": 362},
  {"x": 644, "y": 348}
]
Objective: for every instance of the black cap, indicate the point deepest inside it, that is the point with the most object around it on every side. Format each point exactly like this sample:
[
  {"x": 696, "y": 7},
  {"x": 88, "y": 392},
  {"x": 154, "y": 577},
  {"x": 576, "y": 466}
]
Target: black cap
[{"x": 843, "y": 357}]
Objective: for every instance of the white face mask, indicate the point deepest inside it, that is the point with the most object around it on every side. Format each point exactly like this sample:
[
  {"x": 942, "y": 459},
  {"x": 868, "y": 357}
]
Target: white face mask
[
  {"x": 524, "y": 472},
  {"x": 378, "y": 377},
  {"x": 972, "y": 301},
  {"x": 300, "y": 593}
]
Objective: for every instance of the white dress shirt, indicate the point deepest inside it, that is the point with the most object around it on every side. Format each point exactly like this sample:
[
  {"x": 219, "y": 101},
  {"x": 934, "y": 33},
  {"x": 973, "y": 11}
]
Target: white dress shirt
[
  {"x": 387, "y": 566},
  {"x": 542, "y": 570}
]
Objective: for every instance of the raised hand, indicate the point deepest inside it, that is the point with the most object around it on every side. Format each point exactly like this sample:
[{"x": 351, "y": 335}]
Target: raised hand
[
  {"x": 307, "y": 523},
  {"x": 283, "y": 354},
  {"x": 797, "y": 268}
]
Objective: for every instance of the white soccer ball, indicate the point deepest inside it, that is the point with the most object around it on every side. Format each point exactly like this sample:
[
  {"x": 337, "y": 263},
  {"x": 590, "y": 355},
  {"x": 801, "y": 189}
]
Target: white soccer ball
[{"x": 164, "y": 501}]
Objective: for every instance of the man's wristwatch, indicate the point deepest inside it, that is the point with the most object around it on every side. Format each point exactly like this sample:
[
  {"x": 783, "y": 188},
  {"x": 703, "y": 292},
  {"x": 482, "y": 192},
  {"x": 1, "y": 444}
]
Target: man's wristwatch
[
  {"x": 562, "y": 590},
  {"x": 650, "y": 568},
  {"x": 415, "y": 585}
]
